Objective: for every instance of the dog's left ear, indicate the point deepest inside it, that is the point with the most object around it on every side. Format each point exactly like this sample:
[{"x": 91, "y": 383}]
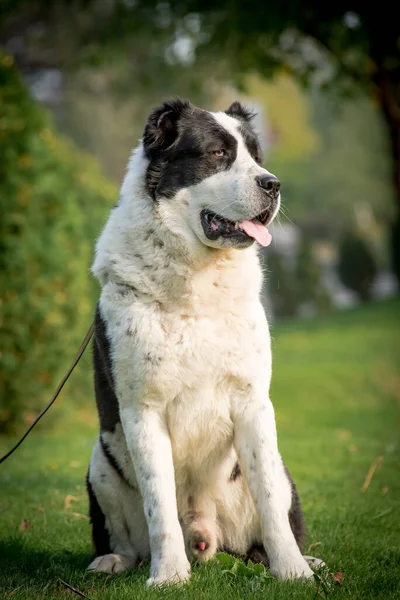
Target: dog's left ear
[
  {"x": 238, "y": 111},
  {"x": 162, "y": 126}
]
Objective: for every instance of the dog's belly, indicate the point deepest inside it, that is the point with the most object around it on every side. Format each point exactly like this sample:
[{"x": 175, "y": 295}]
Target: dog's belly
[{"x": 201, "y": 431}]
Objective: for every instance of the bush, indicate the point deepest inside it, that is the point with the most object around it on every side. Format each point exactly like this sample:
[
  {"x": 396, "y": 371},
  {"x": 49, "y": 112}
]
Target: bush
[
  {"x": 308, "y": 277},
  {"x": 356, "y": 266},
  {"x": 53, "y": 202},
  {"x": 281, "y": 285}
]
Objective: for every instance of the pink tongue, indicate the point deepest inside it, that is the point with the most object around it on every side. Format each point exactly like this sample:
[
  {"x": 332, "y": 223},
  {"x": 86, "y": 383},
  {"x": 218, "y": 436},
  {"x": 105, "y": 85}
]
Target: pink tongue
[{"x": 257, "y": 231}]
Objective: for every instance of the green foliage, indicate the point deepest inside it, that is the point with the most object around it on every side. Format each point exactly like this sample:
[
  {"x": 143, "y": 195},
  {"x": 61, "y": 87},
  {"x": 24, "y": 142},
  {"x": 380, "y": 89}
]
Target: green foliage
[
  {"x": 53, "y": 201},
  {"x": 234, "y": 568},
  {"x": 308, "y": 272},
  {"x": 356, "y": 265},
  {"x": 257, "y": 575},
  {"x": 281, "y": 285},
  {"x": 350, "y": 170},
  {"x": 308, "y": 277},
  {"x": 292, "y": 285}
]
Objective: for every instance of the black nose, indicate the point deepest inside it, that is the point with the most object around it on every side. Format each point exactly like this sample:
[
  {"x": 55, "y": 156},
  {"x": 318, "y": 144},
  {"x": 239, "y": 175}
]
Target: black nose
[{"x": 269, "y": 183}]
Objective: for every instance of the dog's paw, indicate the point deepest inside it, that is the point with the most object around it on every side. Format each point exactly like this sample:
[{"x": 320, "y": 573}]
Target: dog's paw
[
  {"x": 295, "y": 568},
  {"x": 202, "y": 544},
  {"x": 315, "y": 563},
  {"x": 172, "y": 569},
  {"x": 111, "y": 563}
]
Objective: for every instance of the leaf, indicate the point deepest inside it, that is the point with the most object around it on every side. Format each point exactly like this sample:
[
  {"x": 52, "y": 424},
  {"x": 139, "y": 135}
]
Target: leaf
[
  {"x": 226, "y": 559},
  {"x": 79, "y": 515},
  {"x": 24, "y": 525},
  {"x": 242, "y": 570},
  {"x": 68, "y": 500},
  {"x": 259, "y": 570},
  {"x": 250, "y": 564},
  {"x": 229, "y": 572},
  {"x": 338, "y": 577},
  {"x": 235, "y": 567}
]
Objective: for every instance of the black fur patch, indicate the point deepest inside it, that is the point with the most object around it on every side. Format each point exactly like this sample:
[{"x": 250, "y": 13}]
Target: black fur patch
[
  {"x": 106, "y": 400},
  {"x": 113, "y": 462},
  {"x": 100, "y": 535},
  {"x": 257, "y": 553},
  {"x": 238, "y": 111},
  {"x": 296, "y": 518},
  {"x": 236, "y": 472},
  {"x": 180, "y": 141}
]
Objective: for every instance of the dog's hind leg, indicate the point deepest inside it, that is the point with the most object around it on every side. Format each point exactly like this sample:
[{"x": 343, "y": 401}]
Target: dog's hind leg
[{"x": 117, "y": 518}]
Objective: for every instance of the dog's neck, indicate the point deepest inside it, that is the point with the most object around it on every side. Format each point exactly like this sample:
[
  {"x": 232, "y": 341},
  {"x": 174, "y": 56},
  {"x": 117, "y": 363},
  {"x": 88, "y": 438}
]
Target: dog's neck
[{"x": 138, "y": 248}]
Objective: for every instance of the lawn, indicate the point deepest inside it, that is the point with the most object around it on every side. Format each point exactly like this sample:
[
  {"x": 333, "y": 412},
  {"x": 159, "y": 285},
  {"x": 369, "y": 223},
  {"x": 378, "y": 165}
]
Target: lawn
[{"x": 336, "y": 390}]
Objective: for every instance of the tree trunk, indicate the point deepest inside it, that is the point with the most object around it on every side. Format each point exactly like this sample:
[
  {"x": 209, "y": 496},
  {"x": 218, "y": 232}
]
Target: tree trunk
[{"x": 389, "y": 88}]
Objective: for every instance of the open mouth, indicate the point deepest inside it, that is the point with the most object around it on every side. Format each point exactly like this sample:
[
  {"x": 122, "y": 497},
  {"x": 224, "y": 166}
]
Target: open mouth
[{"x": 216, "y": 226}]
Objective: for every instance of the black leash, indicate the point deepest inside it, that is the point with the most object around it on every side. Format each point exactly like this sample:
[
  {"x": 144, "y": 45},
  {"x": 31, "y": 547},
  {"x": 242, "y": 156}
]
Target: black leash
[{"x": 54, "y": 398}]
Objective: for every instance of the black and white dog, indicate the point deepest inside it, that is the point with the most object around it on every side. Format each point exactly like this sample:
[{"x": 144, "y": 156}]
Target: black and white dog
[{"x": 187, "y": 459}]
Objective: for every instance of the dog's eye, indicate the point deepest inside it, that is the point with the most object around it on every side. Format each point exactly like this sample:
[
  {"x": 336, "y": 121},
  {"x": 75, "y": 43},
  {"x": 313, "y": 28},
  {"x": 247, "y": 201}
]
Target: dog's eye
[{"x": 219, "y": 153}]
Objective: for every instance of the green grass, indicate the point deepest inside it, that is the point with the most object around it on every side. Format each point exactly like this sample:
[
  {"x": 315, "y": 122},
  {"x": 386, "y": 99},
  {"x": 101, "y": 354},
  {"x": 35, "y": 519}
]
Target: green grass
[{"x": 336, "y": 389}]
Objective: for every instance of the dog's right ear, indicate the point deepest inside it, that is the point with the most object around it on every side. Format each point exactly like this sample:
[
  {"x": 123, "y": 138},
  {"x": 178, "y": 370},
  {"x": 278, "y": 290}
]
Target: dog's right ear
[{"x": 162, "y": 126}]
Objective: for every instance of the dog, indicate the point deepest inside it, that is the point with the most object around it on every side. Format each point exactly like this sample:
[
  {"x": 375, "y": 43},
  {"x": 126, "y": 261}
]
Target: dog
[{"x": 187, "y": 461}]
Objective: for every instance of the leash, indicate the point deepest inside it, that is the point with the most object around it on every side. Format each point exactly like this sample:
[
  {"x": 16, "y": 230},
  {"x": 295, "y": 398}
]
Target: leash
[{"x": 57, "y": 393}]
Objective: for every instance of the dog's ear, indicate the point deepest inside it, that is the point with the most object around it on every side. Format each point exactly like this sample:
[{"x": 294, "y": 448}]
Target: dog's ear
[
  {"x": 238, "y": 111},
  {"x": 162, "y": 126}
]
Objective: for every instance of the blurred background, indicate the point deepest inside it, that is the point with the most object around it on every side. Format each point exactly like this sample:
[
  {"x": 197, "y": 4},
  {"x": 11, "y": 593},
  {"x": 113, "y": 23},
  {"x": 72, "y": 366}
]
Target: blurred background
[{"x": 77, "y": 80}]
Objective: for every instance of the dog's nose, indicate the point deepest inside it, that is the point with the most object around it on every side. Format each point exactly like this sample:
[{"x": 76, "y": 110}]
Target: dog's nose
[{"x": 269, "y": 183}]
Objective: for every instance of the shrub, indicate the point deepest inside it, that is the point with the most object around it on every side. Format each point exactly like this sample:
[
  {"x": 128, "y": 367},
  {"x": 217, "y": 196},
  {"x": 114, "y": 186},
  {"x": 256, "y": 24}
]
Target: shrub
[
  {"x": 281, "y": 285},
  {"x": 53, "y": 202},
  {"x": 308, "y": 276},
  {"x": 356, "y": 265}
]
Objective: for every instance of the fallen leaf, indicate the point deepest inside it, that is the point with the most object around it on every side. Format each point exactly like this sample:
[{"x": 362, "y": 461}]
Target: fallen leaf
[
  {"x": 75, "y": 464},
  {"x": 353, "y": 448},
  {"x": 338, "y": 577},
  {"x": 68, "y": 500},
  {"x": 79, "y": 515},
  {"x": 371, "y": 472},
  {"x": 24, "y": 525},
  {"x": 385, "y": 490}
]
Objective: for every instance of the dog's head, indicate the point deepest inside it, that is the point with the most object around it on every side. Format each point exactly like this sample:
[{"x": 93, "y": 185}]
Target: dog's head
[{"x": 205, "y": 173}]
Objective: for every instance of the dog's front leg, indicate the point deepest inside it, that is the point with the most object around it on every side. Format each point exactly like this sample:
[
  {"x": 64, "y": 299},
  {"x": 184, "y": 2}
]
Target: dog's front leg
[
  {"x": 257, "y": 448},
  {"x": 150, "y": 447}
]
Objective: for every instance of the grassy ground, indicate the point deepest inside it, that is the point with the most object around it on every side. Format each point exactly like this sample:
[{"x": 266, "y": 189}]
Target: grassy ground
[{"x": 336, "y": 390}]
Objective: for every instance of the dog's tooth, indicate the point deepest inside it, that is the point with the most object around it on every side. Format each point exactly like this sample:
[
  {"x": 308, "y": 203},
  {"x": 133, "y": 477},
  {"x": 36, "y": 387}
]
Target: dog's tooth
[{"x": 236, "y": 225}]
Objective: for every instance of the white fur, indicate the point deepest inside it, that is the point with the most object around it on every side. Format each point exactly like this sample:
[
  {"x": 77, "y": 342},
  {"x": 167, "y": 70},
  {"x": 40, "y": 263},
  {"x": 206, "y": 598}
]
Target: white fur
[{"x": 203, "y": 398}]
